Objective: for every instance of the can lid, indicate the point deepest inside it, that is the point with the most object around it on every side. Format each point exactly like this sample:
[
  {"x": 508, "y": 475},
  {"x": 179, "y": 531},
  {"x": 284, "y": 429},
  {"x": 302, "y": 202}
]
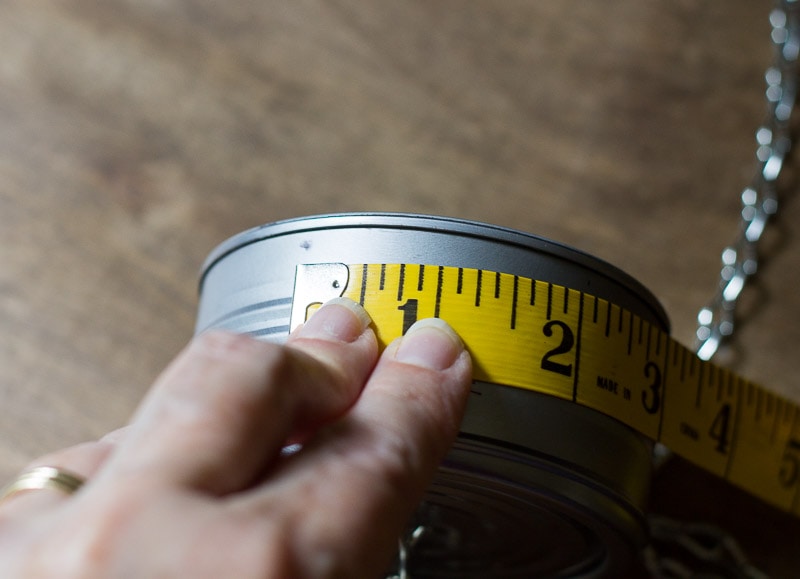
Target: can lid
[{"x": 420, "y": 222}]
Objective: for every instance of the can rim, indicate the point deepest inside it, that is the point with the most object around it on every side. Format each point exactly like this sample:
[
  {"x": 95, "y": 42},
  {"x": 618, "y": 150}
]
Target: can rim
[{"x": 422, "y": 222}]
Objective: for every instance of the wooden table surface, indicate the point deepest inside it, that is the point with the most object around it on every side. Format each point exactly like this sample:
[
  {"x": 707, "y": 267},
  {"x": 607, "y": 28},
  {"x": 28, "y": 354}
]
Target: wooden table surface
[{"x": 136, "y": 135}]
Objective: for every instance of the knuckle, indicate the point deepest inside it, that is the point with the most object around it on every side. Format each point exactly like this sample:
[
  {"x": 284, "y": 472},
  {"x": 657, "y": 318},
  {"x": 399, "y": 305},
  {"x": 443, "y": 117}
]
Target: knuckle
[
  {"x": 390, "y": 460},
  {"x": 89, "y": 552},
  {"x": 218, "y": 344}
]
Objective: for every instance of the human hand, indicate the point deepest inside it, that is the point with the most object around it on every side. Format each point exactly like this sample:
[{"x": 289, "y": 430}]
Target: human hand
[{"x": 197, "y": 486}]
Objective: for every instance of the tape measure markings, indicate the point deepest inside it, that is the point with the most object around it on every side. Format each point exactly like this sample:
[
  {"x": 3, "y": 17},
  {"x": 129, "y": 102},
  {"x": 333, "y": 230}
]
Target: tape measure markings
[{"x": 535, "y": 335}]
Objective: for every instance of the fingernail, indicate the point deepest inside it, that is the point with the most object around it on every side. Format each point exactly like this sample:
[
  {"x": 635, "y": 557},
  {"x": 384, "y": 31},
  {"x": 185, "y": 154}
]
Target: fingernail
[
  {"x": 430, "y": 343},
  {"x": 340, "y": 320}
]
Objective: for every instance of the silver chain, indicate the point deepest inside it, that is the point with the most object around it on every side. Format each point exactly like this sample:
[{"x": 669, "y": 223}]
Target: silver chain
[
  {"x": 693, "y": 546},
  {"x": 404, "y": 547},
  {"x": 760, "y": 198},
  {"x": 701, "y": 545}
]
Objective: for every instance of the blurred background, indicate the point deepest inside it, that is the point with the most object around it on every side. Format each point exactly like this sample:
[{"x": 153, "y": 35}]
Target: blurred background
[{"x": 137, "y": 135}]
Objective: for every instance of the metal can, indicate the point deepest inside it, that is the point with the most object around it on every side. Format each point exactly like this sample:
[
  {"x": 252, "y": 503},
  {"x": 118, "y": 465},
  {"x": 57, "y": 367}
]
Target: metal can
[{"x": 535, "y": 486}]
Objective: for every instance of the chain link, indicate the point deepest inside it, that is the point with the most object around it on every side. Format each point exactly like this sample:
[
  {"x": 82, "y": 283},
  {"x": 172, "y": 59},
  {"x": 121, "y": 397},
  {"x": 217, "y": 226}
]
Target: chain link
[
  {"x": 696, "y": 550},
  {"x": 404, "y": 547}
]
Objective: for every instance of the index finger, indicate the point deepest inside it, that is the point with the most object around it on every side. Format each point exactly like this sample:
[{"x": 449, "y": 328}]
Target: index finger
[{"x": 219, "y": 414}]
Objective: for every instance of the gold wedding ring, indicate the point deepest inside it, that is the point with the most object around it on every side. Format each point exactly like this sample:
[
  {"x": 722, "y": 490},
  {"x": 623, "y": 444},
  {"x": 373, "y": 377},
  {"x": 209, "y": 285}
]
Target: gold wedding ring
[{"x": 43, "y": 477}]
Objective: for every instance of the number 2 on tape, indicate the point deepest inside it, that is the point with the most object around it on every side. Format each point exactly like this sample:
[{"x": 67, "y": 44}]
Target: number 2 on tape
[{"x": 535, "y": 335}]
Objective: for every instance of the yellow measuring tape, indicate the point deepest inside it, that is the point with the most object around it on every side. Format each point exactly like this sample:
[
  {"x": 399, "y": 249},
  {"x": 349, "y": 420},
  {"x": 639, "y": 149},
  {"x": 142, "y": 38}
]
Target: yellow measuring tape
[{"x": 538, "y": 336}]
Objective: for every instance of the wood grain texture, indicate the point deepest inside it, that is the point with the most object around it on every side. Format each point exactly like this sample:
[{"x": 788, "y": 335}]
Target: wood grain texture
[{"x": 136, "y": 135}]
